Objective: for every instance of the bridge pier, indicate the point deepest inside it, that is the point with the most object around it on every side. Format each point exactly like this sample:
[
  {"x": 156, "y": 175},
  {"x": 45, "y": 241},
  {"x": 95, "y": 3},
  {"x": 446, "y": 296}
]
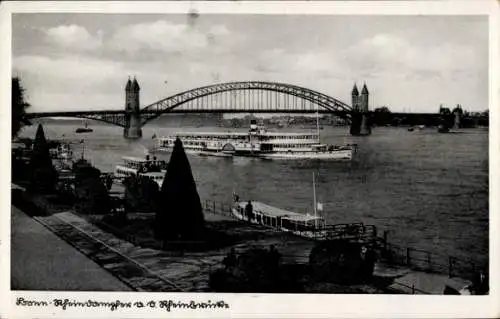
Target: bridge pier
[
  {"x": 132, "y": 129},
  {"x": 365, "y": 125},
  {"x": 360, "y": 124}
]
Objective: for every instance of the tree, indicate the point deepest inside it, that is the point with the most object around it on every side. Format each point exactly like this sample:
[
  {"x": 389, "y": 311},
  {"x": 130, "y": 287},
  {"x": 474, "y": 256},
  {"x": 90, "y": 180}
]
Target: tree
[
  {"x": 447, "y": 118},
  {"x": 19, "y": 106},
  {"x": 43, "y": 176},
  {"x": 382, "y": 116},
  {"x": 179, "y": 214},
  {"x": 458, "y": 109},
  {"x": 444, "y": 111},
  {"x": 382, "y": 109}
]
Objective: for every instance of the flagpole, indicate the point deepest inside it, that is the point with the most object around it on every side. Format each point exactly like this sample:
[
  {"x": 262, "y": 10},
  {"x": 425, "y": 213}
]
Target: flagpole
[
  {"x": 83, "y": 149},
  {"x": 317, "y": 121},
  {"x": 315, "y": 203}
]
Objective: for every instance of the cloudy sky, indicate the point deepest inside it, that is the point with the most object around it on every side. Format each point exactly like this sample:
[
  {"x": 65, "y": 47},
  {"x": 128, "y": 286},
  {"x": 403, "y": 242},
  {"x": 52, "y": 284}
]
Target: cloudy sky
[{"x": 412, "y": 63}]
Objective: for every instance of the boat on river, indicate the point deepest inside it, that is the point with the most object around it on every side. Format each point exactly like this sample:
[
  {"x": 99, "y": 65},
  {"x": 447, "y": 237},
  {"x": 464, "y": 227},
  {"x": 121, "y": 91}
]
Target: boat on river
[
  {"x": 262, "y": 214},
  {"x": 152, "y": 169},
  {"x": 305, "y": 225},
  {"x": 85, "y": 129},
  {"x": 257, "y": 142}
]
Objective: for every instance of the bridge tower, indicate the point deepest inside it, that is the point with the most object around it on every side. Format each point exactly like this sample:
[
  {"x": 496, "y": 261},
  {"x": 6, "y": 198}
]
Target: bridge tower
[
  {"x": 355, "y": 98},
  {"x": 132, "y": 129},
  {"x": 360, "y": 106}
]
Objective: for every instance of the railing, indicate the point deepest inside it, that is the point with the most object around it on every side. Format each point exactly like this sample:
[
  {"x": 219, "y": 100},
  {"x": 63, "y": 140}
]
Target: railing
[
  {"x": 428, "y": 261},
  {"x": 218, "y": 208}
]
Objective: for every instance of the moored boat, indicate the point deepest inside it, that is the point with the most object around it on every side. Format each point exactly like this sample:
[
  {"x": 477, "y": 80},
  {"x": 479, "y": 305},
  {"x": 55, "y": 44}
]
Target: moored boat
[
  {"x": 62, "y": 152},
  {"x": 152, "y": 169},
  {"x": 262, "y": 214},
  {"x": 304, "y": 225}
]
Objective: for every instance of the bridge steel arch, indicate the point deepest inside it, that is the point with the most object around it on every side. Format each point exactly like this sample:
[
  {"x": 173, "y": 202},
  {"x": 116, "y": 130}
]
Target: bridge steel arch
[
  {"x": 154, "y": 110},
  {"x": 115, "y": 117},
  {"x": 166, "y": 105}
]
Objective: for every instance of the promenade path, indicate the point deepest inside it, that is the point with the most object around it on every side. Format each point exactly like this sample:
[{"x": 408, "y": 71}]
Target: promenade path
[{"x": 42, "y": 261}]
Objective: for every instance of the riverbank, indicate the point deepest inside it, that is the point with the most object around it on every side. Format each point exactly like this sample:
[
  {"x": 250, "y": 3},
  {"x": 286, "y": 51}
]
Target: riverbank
[{"x": 148, "y": 269}]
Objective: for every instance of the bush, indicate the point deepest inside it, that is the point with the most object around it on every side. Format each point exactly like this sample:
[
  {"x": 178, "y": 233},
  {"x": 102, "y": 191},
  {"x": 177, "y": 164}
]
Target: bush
[
  {"x": 92, "y": 194},
  {"x": 342, "y": 262},
  {"x": 141, "y": 194},
  {"x": 256, "y": 270}
]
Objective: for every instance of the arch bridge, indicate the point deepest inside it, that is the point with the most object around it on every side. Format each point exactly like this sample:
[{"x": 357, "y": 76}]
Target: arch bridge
[{"x": 231, "y": 97}]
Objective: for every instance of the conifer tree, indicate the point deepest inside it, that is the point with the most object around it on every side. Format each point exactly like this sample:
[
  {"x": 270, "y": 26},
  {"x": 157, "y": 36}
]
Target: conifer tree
[
  {"x": 179, "y": 214},
  {"x": 42, "y": 172}
]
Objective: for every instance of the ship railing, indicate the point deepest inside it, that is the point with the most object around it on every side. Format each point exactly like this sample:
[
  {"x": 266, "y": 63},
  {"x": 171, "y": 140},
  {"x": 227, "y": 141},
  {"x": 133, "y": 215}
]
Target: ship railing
[{"x": 348, "y": 231}]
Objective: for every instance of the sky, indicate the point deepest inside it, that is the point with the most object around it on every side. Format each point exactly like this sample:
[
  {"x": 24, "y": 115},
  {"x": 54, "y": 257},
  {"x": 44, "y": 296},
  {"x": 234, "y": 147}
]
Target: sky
[{"x": 82, "y": 61}]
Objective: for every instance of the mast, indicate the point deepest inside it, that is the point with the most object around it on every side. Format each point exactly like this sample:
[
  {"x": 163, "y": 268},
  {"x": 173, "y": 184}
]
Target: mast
[
  {"x": 83, "y": 149},
  {"x": 315, "y": 203},
  {"x": 317, "y": 122}
]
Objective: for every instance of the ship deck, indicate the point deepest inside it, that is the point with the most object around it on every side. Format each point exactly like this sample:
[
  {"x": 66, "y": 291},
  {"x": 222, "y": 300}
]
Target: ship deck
[{"x": 278, "y": 212}]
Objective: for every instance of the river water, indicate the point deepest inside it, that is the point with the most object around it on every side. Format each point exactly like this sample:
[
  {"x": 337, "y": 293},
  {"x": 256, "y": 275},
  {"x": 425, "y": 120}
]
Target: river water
[{"x": 429, "y": 190}]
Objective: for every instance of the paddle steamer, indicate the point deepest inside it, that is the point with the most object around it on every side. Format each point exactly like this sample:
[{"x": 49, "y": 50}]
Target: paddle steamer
[{"x": 257, "y": 142}]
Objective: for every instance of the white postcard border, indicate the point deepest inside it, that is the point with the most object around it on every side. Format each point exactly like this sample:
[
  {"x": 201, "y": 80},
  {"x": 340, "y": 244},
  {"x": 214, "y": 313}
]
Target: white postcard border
[{"x": 252, "y": 305}]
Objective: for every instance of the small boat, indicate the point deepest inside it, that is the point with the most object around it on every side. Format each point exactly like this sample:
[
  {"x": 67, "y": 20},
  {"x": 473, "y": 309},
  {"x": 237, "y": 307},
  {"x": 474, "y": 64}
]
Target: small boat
[
  {"x": 152, "y": 169},
  {"x": 62, "y": 152},
  {"x": 305, "y": 225},
  {"x": 85, "y": 129},
  {"x": 269, "y": 216}
]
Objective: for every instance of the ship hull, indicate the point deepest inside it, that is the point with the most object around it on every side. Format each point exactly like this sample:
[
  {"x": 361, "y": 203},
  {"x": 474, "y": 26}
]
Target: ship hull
[
  {"x": 310, "y": 155},
  {"x": 328, "y": 155}
]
